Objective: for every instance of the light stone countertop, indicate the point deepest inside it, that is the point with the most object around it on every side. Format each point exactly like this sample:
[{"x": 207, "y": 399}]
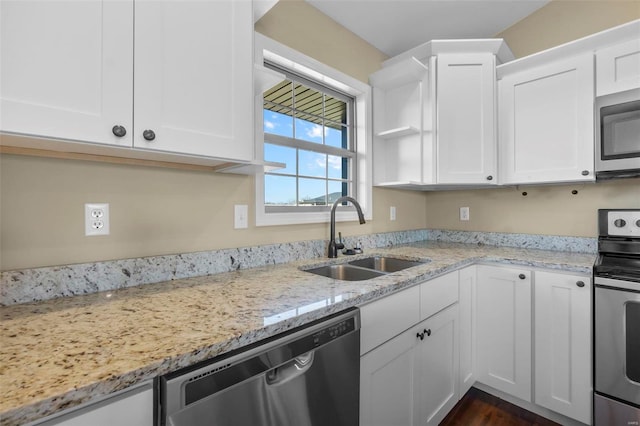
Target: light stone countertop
[{"x": 63, "y": 352}]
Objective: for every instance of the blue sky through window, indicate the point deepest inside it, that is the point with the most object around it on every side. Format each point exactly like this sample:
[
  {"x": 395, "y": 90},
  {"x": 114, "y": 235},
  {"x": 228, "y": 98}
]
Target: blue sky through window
[{"x": 281, "y": 190}]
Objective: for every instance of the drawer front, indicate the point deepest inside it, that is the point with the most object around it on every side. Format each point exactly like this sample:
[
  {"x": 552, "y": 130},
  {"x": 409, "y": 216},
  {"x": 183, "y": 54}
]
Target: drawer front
[
  {"x": 385, "y": 318},
  {"x": 437, "y": 294}
]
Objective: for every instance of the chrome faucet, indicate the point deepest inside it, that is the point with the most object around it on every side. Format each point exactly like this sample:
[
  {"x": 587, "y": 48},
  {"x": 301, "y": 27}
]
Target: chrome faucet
[{"x": 333, "y": 246}]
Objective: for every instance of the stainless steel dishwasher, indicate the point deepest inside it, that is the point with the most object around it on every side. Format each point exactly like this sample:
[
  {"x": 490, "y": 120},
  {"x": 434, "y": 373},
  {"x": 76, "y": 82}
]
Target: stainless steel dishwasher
[{"x": 309, "y": 376}]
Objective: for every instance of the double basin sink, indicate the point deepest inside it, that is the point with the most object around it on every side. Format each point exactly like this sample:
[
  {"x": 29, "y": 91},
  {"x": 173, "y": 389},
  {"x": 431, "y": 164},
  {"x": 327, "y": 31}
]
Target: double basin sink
[{"x": 364, "y": 269}]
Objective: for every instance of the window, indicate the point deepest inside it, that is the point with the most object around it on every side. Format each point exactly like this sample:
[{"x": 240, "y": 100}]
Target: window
[
  {"x": 317, "y": 122},
  {"x": 309, "y": 127}
]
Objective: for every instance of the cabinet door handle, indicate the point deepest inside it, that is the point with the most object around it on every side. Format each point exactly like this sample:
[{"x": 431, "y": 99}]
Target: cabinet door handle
[
  {"x": 522, "y": 276},
  {"x": 585, "y": 173},
  {"x": 428, "y": 332},
  {"x": 420, "y": 336},
  {"x": 489, "y": 177},
  {"x": 580, "y": 283},
  {"x": 149, "y": 135},
  {"x": 119, "y": 131}
]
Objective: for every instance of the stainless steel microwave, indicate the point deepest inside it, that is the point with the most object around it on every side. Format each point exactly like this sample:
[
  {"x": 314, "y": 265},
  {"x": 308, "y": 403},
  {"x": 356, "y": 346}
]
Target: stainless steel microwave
[{"x": 618, "y": 135}]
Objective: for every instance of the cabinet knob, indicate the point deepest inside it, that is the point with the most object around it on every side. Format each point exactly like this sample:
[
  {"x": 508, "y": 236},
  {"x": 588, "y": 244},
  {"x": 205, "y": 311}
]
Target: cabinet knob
[
  {"x": 580, "y": 283},
  {"x": 428, "y": 332},
  {"x": 420, "y": 336},
  {"x": 489, "y": 177},
  {"x": 149, "y": 135},
  {"x": 522, "y": 276},
  {"x": 119, "y": 131},
  {"x": 585, "y": 173}
]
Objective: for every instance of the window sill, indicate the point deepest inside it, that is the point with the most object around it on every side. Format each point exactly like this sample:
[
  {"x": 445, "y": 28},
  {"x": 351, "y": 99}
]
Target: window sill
[{"x": 273, "y": 219}]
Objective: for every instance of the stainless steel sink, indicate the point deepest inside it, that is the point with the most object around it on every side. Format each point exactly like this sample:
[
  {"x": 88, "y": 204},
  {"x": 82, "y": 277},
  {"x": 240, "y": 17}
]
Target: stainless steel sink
[
  {"x": 385, "y": 264},
  {"x": 364, "y": 269},
  {"x": 345, "y": 272}
]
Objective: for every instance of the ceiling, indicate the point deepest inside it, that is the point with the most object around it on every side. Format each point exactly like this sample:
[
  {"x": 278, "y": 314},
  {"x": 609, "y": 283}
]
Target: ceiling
[{"x": 394, "y": 26}]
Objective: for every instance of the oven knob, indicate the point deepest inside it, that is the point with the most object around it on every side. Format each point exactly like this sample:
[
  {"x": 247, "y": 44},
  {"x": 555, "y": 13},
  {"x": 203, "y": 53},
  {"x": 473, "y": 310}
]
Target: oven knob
[{"x": 620, "y": 223}]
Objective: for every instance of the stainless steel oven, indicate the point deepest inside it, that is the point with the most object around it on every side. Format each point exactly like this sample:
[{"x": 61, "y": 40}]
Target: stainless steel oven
[
  {"x": 617, "y": 319},
  {"x": 618, "y": 135}
]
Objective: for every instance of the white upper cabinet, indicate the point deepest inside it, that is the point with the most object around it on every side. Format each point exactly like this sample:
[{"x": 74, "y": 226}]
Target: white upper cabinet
[
  {"x": 193, "y": 77},
  {"x": 74, "y": 70},
  {"x": 466, "y": 141},
  {"x": 67, "y": 70},
  {"x": 618, "y": 68},
  {"x": 437, "y": 129},
  {"x": 547, "y": 122}
]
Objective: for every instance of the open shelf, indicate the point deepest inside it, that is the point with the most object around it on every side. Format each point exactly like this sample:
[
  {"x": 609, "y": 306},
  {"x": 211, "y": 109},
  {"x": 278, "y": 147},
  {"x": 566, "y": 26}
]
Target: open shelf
[
  {"x": 405, "y": 72},
  {"x": 266, "y": 78},
  {"x": 399, "y": 132}
]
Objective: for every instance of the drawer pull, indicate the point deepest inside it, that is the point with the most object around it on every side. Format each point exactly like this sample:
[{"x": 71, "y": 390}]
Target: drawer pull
[{"x": 580, "y": 283}]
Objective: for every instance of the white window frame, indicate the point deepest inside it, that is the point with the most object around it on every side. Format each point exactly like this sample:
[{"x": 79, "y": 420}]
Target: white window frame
[{"x": 283, "y": 56}]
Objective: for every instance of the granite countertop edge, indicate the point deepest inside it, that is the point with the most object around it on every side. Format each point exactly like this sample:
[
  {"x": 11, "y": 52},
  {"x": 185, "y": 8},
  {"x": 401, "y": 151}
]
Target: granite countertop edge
[{"x": 454, "y": 256}]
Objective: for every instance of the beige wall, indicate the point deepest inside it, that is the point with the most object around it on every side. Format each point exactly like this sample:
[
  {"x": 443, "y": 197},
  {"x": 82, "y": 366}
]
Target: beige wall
[
  {"x": 161, "y": 211},
  {"x": 551, "y": 210},
  {"x": 547, "y": 210},
  {"x": 562, "y": 21}
]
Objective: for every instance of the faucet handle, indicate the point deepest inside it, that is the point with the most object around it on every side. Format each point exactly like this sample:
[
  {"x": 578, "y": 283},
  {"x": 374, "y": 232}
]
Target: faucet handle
[{"x": 339, "y": 244}]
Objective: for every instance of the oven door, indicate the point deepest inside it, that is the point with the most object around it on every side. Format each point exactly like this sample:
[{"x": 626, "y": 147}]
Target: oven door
[
  {"x": 617, "y": 341},
  {"x": 618, "y": 135}
]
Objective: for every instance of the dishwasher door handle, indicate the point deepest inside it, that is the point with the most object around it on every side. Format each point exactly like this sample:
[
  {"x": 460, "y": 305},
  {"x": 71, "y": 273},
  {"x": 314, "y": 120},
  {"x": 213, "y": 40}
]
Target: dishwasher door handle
[{"x": 290, "y": 370}]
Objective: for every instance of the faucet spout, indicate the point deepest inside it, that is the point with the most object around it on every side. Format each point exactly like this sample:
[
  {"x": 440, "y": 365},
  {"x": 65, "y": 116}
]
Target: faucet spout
[{"x": 333, "y": 246}]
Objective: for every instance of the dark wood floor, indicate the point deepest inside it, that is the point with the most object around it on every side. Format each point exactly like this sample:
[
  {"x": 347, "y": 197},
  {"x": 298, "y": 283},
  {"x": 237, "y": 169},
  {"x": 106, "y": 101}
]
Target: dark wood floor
[{"x": 478, "y": 408}]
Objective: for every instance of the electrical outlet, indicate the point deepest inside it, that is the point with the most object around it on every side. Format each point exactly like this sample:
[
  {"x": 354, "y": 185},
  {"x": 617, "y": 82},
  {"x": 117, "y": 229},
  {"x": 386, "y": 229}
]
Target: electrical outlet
[
  {"x": 96, "y": 219},
  {"x": 241, "y": 216},
  {"x": 392, "y": 213},
  {"x": 464, "y": 213}
]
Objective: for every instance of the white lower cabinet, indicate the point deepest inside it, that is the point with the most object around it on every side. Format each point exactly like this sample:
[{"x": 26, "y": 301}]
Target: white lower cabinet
[
  {"x": 563, "y": 344},
  {"x": 504, "y": 329},
  {"x": 132, "y": 407},
  {"x": 387, "y": 380},
  {"x": 436, "y": 366},
  {"x": 560, "y": 368},
  {"x": 412, "y": 378},
  {"x": 525, "y": 334},
  {"x": 467, "y": 328}
]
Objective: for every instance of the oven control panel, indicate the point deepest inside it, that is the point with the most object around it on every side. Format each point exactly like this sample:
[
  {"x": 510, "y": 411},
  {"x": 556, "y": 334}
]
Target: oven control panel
[{"x": 623, "y": 223}]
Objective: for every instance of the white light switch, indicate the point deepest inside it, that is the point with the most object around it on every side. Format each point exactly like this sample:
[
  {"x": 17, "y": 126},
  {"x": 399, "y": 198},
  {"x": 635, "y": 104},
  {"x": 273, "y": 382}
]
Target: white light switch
[
  {"x": 241, "y": 216},
  {"x": 464, "y": 213}
]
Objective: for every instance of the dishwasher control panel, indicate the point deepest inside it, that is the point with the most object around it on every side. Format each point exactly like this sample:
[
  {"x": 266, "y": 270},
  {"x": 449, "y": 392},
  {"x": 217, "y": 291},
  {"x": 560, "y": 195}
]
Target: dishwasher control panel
[{"x": 333, "y": 332}]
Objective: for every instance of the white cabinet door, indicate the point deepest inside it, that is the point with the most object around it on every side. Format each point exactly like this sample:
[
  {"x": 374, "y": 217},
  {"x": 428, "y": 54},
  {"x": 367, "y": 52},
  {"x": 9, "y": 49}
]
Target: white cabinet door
[
  {"x": 131, "y": 408},
  {"x": 387, "y": 383},
  {"x": 67, "y": 69},
  {"x": 563, "y": 344},
  {"x": 467, "y": 311},
  {"x": 193, "y": 77},
  {"x": 547, "y": 123},
  {"x": 466, "y": 141},
  {"x": 618, "y": 68},
  {"x": 437, "y": 366},
  {"x": 504, "y": 329}
]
